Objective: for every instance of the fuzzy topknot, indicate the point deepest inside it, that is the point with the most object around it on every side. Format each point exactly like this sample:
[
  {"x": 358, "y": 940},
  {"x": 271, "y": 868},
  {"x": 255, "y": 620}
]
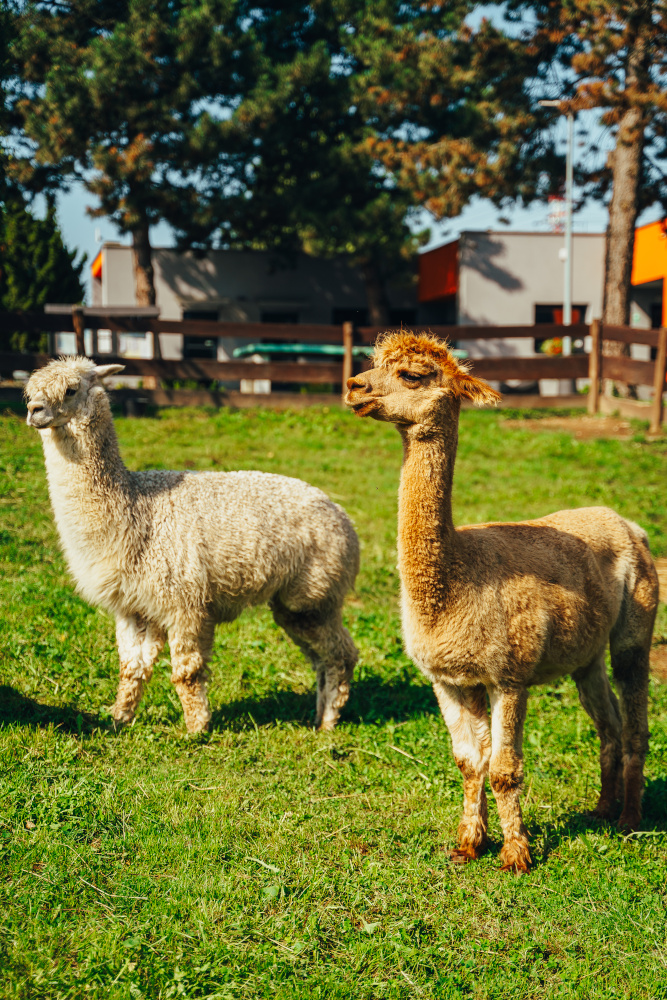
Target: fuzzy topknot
[
  {"x": 422, "y": 349},
  {"x": 56, "y": 377},
  {"x": 404, "y": 345}
]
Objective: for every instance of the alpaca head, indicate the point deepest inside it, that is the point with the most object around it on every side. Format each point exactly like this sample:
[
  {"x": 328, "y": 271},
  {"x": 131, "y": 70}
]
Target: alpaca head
[
  {"x": 415, "y": 379},
  {"x": 65, "y": 389}
]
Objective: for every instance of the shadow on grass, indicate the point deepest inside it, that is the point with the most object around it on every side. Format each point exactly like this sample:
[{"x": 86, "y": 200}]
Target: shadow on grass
[
  {"x": 18, "y": 708},
  {"x": 373, "y": 699},
  {"x": 571, "y": 825}
]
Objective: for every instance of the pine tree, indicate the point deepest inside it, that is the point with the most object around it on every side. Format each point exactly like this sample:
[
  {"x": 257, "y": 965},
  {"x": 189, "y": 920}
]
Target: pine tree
[
  {"x": 452, "y": 109},
  {"x": 35, "y": 267},
  {"x": 363, "y": 112},
  {"x": 312, "y": 185},
  {"x": 115, "y": 95}
]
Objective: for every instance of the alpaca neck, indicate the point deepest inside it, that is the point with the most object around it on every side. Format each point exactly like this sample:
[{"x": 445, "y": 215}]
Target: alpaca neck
[
  {"x": 87, "y": 477},
  {"x": 426, "y": 533}
]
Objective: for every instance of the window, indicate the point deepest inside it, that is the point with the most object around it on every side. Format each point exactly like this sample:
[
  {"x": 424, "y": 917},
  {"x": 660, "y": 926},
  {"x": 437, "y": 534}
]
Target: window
[
  {"x": 350, "y": 314},
  {"x": 554, "y": 315},
  {"x": 656, "y": 315},
  {"x": 200, "y": 347},
  {"x": 279, "y": 316},
  {"x": 359, "y": 316},
  {"x": 402, "y": 317}
]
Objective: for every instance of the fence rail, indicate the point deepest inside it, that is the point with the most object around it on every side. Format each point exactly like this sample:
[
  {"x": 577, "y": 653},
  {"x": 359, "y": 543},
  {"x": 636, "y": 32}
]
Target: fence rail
[
  {"x": 596, "y": 366},
  {"x": 628, "y": 370}
]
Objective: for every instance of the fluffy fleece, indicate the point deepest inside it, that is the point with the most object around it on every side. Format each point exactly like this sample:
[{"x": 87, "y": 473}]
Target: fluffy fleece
[
  {"x": 490, "y": 609},
  {"x": 175, "y": 553}
]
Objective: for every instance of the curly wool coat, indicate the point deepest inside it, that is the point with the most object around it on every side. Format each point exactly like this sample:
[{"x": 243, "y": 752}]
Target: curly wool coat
[{"x": 178, "y": 552}]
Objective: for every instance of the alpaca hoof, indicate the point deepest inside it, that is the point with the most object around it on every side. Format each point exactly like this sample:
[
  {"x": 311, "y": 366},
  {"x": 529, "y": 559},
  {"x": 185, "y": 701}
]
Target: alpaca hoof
[
  {"x": 196, "y": 726},
  {"x": 517, "y": 867},
  {"x": 462, "y": 855},
  {"x": 604, "y": 811},
  {"x": 629, "y": 821},
  {"x": 121, "y": 717},
  {"x": 515, "y": 857},
  {"x": 326, "y": 724}
]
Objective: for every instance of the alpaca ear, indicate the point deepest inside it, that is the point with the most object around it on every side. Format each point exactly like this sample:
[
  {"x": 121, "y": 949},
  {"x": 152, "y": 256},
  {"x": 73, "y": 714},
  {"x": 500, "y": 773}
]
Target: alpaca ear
[
  {"x": 103, "y": 371},
  {"x": 477, "y": 390}
]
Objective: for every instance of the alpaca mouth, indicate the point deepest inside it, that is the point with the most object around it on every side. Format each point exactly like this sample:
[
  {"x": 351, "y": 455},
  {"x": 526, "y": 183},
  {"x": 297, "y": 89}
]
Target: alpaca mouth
[
  {"x": 40, "y": 420},
  {"x": 364, "y": 408},
  {"x": 360, "y": 406}
]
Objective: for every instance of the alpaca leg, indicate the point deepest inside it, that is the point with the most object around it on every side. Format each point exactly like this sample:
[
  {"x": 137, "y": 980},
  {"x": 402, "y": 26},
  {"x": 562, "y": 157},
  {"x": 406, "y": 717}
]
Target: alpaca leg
[
  {"x": 630, "y": 643},
  {"x": 630, "y": 668},
  {"x": 508, "y": 713},
  {"x": 465, "y": 713},
  {"x": 600, "y": 702},
  {"x": 139, "y": 645},
  {"x": 190, "y": 652},
  {"x": 327, "y": 644}
]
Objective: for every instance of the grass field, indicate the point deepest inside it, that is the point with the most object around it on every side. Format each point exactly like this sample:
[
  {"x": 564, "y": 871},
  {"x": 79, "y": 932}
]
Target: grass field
[{"x": 267, "y": 860}]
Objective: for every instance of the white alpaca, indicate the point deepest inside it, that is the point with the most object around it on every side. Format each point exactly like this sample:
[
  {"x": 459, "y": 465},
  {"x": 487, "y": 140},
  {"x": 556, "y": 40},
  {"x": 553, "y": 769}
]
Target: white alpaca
[{"x": 175, "y": 553}]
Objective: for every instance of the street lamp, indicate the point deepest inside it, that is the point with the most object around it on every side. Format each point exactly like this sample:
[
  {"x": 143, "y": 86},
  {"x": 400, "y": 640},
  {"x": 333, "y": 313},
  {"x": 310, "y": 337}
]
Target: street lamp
[{"x": 569, "y": 174}]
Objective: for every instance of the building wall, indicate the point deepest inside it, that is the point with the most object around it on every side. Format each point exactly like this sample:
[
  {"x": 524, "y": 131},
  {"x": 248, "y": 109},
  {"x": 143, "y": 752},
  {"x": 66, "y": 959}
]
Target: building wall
[
  {"x": 503, "y": 276},
  {"x": 239, "y": 286}
]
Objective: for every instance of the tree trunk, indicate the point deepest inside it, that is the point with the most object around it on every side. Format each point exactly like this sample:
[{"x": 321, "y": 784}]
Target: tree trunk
[
  {"x": 626, "y": 162},
  {"x": 626, "y": 167},
  {"x": 144, "y": 284},
  {"x": 376, "y": 294}
]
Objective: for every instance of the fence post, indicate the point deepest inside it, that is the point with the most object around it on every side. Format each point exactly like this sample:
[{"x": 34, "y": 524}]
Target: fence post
[
  {"x": 77, "y": 323},
  {"x": 348, "y": 337},
  {"x": 594, "y": 360},
  {"x": 659, "y": 382}
]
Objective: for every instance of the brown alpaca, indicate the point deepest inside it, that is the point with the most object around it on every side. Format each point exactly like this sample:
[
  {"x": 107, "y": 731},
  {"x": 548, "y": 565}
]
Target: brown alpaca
[{"x": 494, "y": 608}]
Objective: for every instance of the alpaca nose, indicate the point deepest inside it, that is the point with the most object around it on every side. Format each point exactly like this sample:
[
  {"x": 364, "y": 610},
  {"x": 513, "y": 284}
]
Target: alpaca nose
[
  {"x": 356, "y": 382},
  {"x": 38, "y": 415}
]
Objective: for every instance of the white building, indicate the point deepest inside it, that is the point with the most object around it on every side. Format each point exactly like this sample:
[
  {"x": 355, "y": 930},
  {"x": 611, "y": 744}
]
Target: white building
[{"x": 238, "y": 286}]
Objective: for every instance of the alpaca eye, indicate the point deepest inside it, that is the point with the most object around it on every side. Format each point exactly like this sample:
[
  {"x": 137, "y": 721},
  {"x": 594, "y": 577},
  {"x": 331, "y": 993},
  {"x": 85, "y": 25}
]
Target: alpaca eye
[
  {"x": 70, "y": 392},
  {"x": 410, "y": 377}
]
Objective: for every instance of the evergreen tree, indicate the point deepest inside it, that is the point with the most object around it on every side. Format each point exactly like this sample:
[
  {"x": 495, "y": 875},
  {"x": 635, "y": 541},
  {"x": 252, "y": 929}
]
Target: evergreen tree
[
  {"x": 453, "y": 109},
  {"x": 364, "y": 111},
  {"x": 310, "y": 185},
  {"x": 35, "y": 267},
  {"x": 116, "y": 95}
]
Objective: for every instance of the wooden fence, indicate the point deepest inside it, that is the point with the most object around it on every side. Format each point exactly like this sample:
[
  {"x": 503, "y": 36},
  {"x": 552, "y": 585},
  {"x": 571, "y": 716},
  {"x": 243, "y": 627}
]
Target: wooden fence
[{"x": 596, "y": 366}]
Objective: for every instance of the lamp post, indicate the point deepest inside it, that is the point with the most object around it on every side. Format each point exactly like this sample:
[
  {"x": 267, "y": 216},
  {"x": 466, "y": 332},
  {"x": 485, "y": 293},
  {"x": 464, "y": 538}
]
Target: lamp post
[{"x": 567, "y": 256}]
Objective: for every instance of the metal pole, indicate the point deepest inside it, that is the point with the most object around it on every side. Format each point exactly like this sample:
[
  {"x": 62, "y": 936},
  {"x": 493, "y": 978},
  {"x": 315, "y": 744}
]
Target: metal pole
[
  {"x": 567, "y": 291},
  {"x": 569, "y": 172}
]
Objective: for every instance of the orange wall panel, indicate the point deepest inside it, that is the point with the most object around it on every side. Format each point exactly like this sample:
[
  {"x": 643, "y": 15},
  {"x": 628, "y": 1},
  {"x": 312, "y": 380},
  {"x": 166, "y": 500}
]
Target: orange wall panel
[
  {"x": 96, "y": 266},
  {"x": 439, "y": 272},
  {"x": 649, "y": 262}
]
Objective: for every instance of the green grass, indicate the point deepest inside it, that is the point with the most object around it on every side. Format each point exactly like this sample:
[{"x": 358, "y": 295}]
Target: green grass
[{"x": 267, "y": 860}]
